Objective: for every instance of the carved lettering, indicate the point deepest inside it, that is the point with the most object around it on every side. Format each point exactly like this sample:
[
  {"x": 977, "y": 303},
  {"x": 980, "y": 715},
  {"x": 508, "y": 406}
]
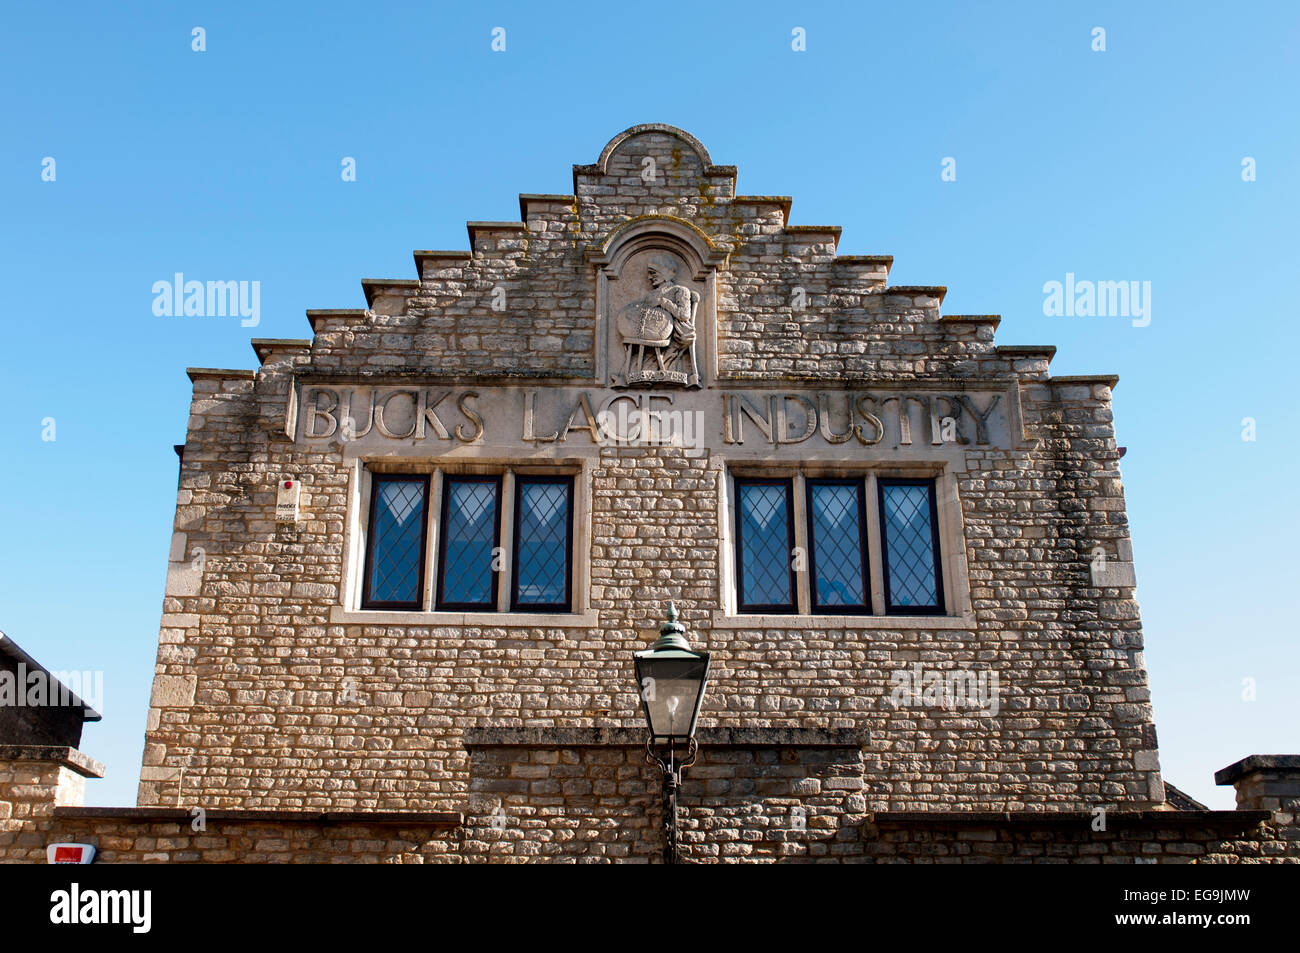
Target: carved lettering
[
  {"x": 610, "y": 419},
  {"x": 381, "y": 408},
  {"x": 426, "y": 412},
  {"x": 864, "y": 406},
  {"x": 348, "y": 415},
  {"x": 745, "y": 408},
  {"x": 981, "y": 419},
  {"x": 463, "y": 405},
  {"x": 927, "y": 412},
  {"x": 904, "y": 421},
  {"x": 824, "y": 417},
  {"x": 955, "y": 412},
  {"x": 583, "y": 406},
  {"x": 654, "y": 421},
  {"x": 783, "y": 418},
  {"x": 530, "y": 419},
  {"x": 314, "y": 410},
  {"x": 784, "y": 423}
]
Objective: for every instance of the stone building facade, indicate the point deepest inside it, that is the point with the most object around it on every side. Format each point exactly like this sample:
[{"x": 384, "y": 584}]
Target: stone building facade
[
  {"x": 275, "y": 689},
  {"x": 414, "y": 554}
]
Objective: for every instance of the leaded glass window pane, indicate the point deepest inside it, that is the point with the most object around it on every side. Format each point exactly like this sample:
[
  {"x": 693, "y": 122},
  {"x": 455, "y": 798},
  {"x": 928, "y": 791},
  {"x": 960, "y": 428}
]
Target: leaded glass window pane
[
  {"x": 838, "y": 560},
  {"x": 765, "y": 544},
  {"x": 396, "y": 542},
  {"x": 542, "y": 542},
  {"x": 469, "y": 536},
  {"x": 907, "y": 518}
]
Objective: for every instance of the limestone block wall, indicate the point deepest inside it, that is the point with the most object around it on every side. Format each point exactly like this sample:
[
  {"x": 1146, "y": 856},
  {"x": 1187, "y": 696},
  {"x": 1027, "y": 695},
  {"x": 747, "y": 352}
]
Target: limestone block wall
[
  {"x": 34, "y": 780},
  {"x": 1140, "y": 837},
  {"x": 591, "y": 796},
  {"x": 588, "y": 796},
  {"x": 264, "y": 699},
  {"x": 161, "y": 835}
]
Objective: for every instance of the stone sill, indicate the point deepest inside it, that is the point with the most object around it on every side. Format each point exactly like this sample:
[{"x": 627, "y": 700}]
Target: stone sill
[
  {"x": 67, "y": 756},
  {"x": 722, "y": 620},
  {"x": 923, "y": 819},
  {"x": 184, "y": 815},
  {"x": 636, "y": 737},
  {"x": 500, "y": 620}
]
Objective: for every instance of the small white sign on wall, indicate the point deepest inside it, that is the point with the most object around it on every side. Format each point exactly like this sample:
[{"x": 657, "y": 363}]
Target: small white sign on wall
[{"x": 286, "y": 501}]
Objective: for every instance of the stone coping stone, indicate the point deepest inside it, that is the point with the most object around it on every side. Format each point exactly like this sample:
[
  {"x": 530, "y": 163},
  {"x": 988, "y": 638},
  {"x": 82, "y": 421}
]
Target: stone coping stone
[
  {"x": 67, "y": 756},
  {"x": 221, "y": 373},
  {"x": 931, "y": 291},
  {"x": 867, "y": 259},
  {"x": 1230, "y": 819},
  {"x": 1031, "y": 349},
  {"x": 636, "y": 737},
  {"x": 994, "y": 319},
  {"x": 147, "y": 815},
  {"x": 1111, "y": 380},
  {"x": 1257, "y": 762}
]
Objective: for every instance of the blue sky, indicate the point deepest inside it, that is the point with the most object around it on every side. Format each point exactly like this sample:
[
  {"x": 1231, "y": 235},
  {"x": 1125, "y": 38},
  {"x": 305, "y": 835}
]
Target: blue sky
[{"x": 225, "y": 164}]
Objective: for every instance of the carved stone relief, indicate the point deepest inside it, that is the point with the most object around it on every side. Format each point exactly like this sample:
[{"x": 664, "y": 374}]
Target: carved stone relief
[
  {"x": 656, "y": 300},
  {"x": 657, "y": 330}
]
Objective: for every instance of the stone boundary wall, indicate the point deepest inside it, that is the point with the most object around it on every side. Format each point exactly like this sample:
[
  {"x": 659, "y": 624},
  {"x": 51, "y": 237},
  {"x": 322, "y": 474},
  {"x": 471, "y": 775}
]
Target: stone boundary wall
[
  {"x": 588, "y": 796},
  {"x": 1068, "y": 837},
  {"x": 34, "y": 781},
  {"x": 797, "y": 796},
  {"x": 145, "y": 835}
]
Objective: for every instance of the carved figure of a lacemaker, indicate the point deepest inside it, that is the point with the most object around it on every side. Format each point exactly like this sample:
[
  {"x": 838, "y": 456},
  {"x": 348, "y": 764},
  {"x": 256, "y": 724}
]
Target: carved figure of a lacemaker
[{"x": 658, "y": 331}]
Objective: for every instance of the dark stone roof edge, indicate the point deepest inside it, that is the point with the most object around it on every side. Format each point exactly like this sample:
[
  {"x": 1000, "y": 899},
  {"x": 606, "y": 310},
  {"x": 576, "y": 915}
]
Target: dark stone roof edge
[
  {"x": 1033, "y": 350},
  {"x": 835, "y": 230},
  {"x": 864, "y": 259},
  {"x": 65, "y": 755},
  {"x": 221, "y": 373},
  {"x": 1257, "y": 762},
  {"x": 1111, "y": 380},
  {"x": 1067, "y": 818},
  {"x": 421, "y": 253},
  {"x": 1180, "y": 800},
  {"x": 13, "y": 650},
  {"x": 911, "y": 291},
  {"x": 179, "y": 815},
  {"x": 636, "y": 737}
]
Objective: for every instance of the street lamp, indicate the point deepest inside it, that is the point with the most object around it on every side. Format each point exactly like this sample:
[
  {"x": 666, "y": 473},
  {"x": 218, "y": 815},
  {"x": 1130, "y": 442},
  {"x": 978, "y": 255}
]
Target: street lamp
[{"x": 670, "y": 679}]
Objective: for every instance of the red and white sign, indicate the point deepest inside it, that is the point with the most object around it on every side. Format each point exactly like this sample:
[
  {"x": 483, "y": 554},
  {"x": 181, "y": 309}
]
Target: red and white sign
[
  {"x": 286, "y": 501},
  {"x": 70, "y": 853}
]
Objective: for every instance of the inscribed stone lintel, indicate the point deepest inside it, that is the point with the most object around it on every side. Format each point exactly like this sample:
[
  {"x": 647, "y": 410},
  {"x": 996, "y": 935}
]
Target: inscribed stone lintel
[{"x": 440, "y": 417}]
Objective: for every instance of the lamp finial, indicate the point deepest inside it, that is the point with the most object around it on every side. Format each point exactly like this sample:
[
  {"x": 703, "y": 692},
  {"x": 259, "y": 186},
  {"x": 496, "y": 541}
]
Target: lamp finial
[{"x": 672, "y": 634}]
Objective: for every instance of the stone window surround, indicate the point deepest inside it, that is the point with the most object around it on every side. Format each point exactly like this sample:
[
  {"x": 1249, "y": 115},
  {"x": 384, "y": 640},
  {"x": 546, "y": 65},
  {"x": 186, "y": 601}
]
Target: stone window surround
[
  {"x": 956, "y": 583},
  {"x": 360, "y": 483}
]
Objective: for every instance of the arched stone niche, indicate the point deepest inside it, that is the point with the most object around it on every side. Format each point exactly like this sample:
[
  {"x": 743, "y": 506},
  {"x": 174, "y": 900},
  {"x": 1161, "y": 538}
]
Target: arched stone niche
[{"x": 656, "y": 298}]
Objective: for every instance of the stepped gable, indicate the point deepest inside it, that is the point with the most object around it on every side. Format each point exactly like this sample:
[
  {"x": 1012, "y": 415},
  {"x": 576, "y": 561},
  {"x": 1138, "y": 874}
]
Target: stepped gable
[{"x": 521, "y": 301}]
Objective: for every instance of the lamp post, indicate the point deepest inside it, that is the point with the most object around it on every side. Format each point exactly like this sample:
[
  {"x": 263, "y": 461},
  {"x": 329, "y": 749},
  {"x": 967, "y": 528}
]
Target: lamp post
[{"x": 670, "y": 680}]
